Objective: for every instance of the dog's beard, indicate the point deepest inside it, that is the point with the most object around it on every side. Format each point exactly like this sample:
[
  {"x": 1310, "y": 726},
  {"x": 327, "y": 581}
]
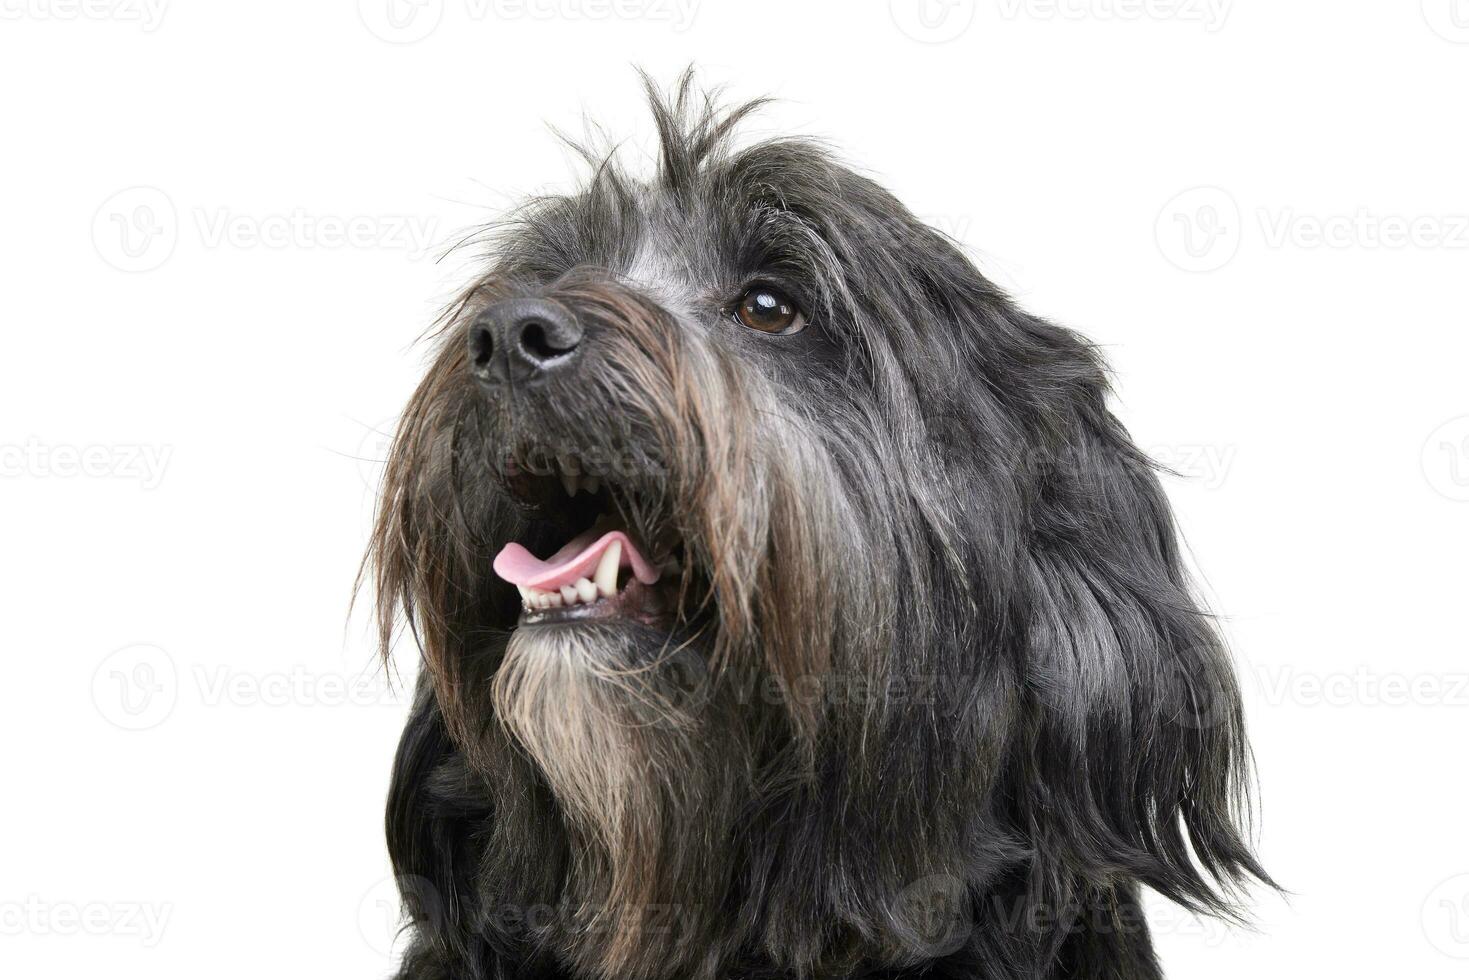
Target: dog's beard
[
  {"x": 605, "y": 729},
  {"x": 648, "y": 774}
]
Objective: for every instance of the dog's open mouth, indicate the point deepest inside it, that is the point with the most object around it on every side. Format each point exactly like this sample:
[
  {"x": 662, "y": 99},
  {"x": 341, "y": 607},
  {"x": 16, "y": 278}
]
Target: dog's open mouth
[{"x": 616, "y": 566}]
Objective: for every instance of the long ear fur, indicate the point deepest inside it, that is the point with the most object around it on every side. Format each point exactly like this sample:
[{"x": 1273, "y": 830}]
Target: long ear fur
[
  {"x": 1137, "y": 764},
  {"x": 434, "y": 806},
  {"x": 1130, "y": 761}
]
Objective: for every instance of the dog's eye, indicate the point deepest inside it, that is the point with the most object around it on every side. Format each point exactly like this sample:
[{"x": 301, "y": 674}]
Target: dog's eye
[{"x": 768, "y": 310}]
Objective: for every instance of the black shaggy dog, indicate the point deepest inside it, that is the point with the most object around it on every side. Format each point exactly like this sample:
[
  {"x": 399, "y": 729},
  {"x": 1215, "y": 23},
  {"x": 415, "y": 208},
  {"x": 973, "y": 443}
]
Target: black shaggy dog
[{"x": 791, "y": 605}]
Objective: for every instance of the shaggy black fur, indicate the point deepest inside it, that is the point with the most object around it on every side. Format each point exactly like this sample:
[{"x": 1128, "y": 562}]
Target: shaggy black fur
[{"x": 930, "y": 695}]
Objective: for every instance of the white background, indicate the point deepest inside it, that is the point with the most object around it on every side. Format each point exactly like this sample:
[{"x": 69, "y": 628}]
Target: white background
[{"x": 1259, "y": 209}]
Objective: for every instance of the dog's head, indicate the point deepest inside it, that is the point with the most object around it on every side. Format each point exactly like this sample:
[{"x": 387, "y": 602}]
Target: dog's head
[{"x": 768, "y": 562}]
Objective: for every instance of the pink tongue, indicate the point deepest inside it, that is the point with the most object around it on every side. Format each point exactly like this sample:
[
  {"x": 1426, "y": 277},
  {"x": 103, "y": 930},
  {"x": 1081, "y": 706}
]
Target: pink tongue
[{"x": 577, "y": 559}]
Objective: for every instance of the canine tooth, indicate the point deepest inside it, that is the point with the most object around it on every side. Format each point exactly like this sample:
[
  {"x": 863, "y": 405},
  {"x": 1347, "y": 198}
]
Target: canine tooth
[
  {"x": 524, "y": 594},
  {"x": 569, "y": 482},
  {"x": 606, "y": 575},
  {"x": 568, "y": 594},
  {"x": 585, "y": 590}
]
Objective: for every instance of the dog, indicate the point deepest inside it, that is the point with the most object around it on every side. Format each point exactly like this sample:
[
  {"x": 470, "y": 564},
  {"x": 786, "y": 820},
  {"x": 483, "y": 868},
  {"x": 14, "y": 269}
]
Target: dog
[{"x": 790, "y": 604}]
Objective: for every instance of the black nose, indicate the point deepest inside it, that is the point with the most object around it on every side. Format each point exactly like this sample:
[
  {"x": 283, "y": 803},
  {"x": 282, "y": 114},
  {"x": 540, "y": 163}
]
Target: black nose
[{"x": 522, "y": 340}]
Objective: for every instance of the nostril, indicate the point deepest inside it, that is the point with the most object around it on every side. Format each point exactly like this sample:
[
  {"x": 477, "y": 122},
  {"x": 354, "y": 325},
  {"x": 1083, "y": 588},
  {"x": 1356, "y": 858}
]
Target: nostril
[
  {"x": 538, "y": 341},
  {"x": 481, "y": 347},
  {"x": 518, "y": 340}
]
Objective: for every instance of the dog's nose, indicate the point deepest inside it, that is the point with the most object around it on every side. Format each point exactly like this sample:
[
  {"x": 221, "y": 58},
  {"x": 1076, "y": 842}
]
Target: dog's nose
[{"x": 521, "y": 340}]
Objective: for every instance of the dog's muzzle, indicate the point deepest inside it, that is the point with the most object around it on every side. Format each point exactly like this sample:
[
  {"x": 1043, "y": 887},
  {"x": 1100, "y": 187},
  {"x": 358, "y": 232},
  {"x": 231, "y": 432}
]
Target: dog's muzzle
[{"x": 522, "y": 341}]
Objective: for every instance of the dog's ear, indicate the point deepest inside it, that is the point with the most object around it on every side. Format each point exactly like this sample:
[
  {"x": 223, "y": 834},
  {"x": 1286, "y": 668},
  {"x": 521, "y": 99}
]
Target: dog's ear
[
  {"x": 1132, "y": 762},
  {"x": 1136, "y": 761}
]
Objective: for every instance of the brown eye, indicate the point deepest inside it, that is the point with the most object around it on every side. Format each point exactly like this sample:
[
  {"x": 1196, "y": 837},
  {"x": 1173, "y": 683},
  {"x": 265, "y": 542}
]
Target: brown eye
[{"x": 769, "y": 310}]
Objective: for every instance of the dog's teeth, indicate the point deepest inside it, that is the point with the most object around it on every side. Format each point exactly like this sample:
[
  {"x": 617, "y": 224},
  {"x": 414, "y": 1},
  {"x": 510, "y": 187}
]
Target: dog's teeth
[
  {"x": 602, "y": 583},
  {"x": 606, "y": 575},
  {"x": 569, "y": 482},
  {"x": 592, "y": 484}
]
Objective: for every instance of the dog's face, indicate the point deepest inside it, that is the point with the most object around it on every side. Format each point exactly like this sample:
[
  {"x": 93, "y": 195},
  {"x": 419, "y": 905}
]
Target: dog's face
[{"x": 767, "y": 563}]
